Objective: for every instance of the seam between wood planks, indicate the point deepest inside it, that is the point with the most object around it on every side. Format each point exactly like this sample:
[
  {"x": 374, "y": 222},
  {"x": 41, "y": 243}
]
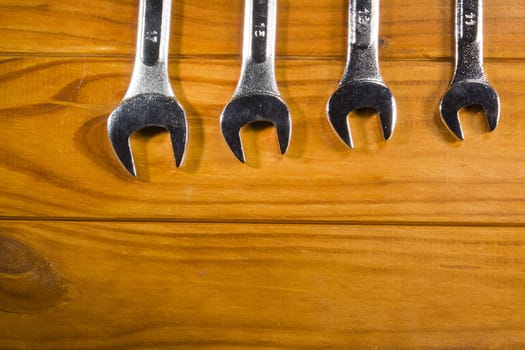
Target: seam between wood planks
[{"x": 262, "y": 222}]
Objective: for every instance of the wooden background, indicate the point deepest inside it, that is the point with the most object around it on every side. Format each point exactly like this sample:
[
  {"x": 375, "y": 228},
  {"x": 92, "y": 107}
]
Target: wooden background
[{"x": 415, "y": 243}]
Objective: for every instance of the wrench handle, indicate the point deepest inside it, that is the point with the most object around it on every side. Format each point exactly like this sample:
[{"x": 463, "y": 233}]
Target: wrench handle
[
  {"x": 259, "y": 30},
  {"x": 258, "y": 50},
  {"x": 363, "y": 23},
  {"x": 153, "y": 31},
  {"x": 363, "y": 32},
  {"x": 469, "y": 19},
  {"x": 469, "y": 41}
]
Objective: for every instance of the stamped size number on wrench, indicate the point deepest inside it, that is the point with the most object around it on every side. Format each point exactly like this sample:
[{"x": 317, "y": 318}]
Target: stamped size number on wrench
[{"x": 260, "y": 28}]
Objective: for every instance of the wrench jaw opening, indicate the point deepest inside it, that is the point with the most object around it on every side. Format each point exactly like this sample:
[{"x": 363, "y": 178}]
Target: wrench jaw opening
[
  {"x": 466, "y": 93},
  {"x": 245, "y": 110},
  {"x": 143, "y": 111},
  {"x": 356, "y": 95}
]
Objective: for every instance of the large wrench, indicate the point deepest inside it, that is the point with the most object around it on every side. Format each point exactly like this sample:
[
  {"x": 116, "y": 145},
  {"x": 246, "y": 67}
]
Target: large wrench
[
  {"x": 149, "y": 100},
  {"x": 257, "y": 97},
  {"x": 362, "y": 85},
  {"x": 469, "y": 85}
]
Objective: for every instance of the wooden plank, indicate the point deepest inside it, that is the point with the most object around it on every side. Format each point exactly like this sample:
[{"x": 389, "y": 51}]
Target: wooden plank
[
  {"x": 227, "y": 286},
  {"x": 409, "y": 29},
  {"x": 56, "y": 161}
]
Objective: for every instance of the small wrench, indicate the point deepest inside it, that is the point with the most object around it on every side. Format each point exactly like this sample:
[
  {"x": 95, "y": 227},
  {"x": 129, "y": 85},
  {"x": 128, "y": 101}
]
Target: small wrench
[
  {"x": 257, "y": 96},
  {"x": 149, "y": 100},
  {"x": 469, "y": 85},
  {"x": 362, "y": 85}
]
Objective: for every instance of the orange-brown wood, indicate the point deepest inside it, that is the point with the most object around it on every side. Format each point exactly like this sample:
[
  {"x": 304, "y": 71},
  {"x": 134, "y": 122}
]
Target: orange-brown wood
[
  {"x": 414, "y": 243},
  {"x": 224, "y": 286},
  {"x": 409, "y": 29},
  {"x": 57, "y": 160}
]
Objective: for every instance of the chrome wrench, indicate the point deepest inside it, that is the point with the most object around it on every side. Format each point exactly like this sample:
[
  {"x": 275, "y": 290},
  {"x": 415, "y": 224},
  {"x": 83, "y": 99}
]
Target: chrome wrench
[
  {"x": 257, "y": 97},
  {"x": 469, "y": 85},
  {"x": 149, "y": 100},
  {"x": 362, "y": 85}
]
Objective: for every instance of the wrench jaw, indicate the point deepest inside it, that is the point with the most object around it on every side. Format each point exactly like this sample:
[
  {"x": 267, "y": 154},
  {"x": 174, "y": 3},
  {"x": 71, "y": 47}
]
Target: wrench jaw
[
  {"x": 142, "y": 111},
  {"x": 466, "y": 93},
  {"x": 245, "y": 110},
  {"x": 361, "y": 94}
]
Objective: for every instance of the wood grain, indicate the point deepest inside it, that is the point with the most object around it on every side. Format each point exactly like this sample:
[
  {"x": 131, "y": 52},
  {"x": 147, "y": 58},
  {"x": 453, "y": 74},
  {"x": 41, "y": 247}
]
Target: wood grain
[
  {"x": 227, "y": 286},
  {"x": 409, "y": 29},
  {"x": 416, "y": 243},
  {"x": 28, "y": 283},
  {"x": 56, "y": 160}
]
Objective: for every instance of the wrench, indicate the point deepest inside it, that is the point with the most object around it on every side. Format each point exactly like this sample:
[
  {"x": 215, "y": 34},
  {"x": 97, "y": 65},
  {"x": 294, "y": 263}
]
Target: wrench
[
  {"x": 362, "y": 85},
  {"x": 149, "y": 100},
  {"x": 257, "y": 96},
  {"x": 469, "y": 86}
]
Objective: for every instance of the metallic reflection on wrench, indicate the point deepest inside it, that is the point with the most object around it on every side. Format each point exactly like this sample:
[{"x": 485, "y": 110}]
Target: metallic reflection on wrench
[
  {"x": 149, "y": 100},
  {"x": 362, "y": 85},
  {"x": 469, "y": 85},
  {"x": 257, "y": 97}
]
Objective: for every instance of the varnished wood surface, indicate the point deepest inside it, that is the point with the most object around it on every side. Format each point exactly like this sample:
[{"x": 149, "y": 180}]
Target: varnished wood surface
[
  {"x": 224, "y": 286},
  {"x": 56, "y": 138},
  {"x": 414, "y": 243},
  {"x": 409, "y": 29}
]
